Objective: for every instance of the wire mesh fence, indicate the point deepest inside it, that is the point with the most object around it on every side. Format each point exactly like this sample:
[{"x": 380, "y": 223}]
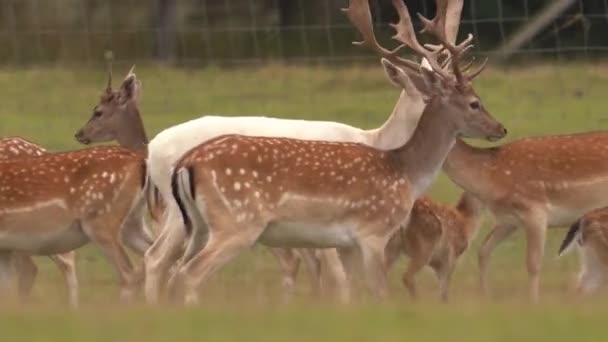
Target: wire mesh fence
[{"x": 260, "y": 31}]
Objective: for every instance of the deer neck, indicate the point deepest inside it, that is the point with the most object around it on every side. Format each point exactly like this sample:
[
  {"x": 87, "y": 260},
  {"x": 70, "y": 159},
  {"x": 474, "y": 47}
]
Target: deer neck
[
  {"x": 401, "y": 123},
  {"x": 422, "y": 156},
  {"x": 131, "y": 133},
  {"x": 467, "y": 165}
]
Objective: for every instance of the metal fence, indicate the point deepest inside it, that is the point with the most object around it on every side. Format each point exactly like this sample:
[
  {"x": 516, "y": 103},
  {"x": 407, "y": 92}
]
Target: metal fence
[{"x": 259, "y": 31}]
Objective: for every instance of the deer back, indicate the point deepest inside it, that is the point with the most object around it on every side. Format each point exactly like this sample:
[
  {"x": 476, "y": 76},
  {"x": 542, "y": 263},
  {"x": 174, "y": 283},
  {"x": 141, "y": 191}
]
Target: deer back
[
  {"x": 262, "y": 172},
  {"x": 86, "y": 182},
  {"x": 16, "y": 147}
]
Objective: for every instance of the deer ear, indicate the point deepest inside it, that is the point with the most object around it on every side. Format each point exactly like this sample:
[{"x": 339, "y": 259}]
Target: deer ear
[
  {"x": 129, "y": 89},
  {"x": 433, "y": 83},
  {"x": 395, "y": 74}
]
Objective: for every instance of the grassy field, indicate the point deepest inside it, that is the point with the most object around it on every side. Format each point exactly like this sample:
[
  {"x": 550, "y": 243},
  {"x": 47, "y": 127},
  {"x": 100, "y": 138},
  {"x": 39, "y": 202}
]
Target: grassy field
[{"x": 243, "y": 301}]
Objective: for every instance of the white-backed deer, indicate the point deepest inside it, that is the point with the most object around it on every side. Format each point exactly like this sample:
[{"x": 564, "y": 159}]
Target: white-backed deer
[
  {"x": 55, "y": 203},
  {"x": 435, "y": 236},
  {"x": 590, "y": 234},
  {"x": 16, "y": 147},
  {"x": 234, "y": 191}
]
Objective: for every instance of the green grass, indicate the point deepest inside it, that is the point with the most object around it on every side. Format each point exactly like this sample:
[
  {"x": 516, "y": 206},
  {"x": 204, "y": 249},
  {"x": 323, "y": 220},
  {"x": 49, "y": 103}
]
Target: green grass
[{"x": 242, "y": 301}]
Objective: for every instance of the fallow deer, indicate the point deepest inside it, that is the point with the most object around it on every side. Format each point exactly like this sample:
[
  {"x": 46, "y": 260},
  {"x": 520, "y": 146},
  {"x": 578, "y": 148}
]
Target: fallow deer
[
  {"x": 590, "y": 233},
  {"x": 435, "y": 236},
  {"x": 235, "y": 191},
  {"x": 16, "y": 147},
  {"x": 116, "y": 117},
  {"x": 535, "y": 183},
  {"x": 57, "y": 202}
]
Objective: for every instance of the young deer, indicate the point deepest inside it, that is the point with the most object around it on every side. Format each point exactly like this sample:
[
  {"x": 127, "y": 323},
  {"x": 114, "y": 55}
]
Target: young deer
[
  {"x": 234, "y": 191},
  {"x": 79, "y": 196},
  {"x": 16, "y": 147},
  {"x": 590, "y": 233},
  {"x": 435, "y": 236}
]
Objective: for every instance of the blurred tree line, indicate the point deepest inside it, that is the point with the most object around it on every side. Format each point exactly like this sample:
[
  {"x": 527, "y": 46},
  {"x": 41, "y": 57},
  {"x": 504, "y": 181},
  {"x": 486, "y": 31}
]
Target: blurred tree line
[{"x": 200, "y": 31}]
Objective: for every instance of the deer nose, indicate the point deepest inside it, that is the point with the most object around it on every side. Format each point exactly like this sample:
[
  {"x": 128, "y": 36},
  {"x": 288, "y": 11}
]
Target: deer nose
[{"x": 81, "y": 138}]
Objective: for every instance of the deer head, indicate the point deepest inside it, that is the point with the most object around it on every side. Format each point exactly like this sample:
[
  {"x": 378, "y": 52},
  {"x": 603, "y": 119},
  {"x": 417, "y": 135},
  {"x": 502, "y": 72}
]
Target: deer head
[
  {"x": 444, "y": 83},
  {"x": 116, "y": 117}
]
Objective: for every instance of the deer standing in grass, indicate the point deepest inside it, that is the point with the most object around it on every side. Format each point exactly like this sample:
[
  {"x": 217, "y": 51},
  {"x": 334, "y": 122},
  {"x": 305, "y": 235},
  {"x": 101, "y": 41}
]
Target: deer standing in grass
[
  {"x": 57, "y": 202},
  {"x": 116, "y": 117},
  {"x": 235, "y": 191},
  {"x": 88, "y": 195},
  {"x": 534, "y": 183},
  {"x": 590, "y": 234},
  {"x": 435, "y": 236},
  {"x": 16, "y": 147}
]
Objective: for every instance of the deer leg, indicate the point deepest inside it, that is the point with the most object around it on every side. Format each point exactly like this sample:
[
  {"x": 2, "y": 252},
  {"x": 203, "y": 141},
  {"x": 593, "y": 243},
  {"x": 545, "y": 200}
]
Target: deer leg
[
  {"x": 351, "y": 261},
  {"x": 536, "y": 229},
  {"x": 313, "y": 266},
  {"x": 163, "y": 253},
  {"x": 136, "y": 235},
  {"x": 416, "y": 263},
  {"x": 444, "y": 273},
  {"x": 109, "y": 242},
  {"x": 372, "y": 251},
  {"x": 336, "y": 272},
  {"x": 496, "y": 236},
  {"x": 26, "y": 274},
  {"x": 289, "y": 263},
  {"x": 393, "y": 250},
  {"x": 220, "y": 250},
  {"x": 67, "y": 265},
  {"x": 6, "y": 274},
  {"x": 590, "y": 277}
]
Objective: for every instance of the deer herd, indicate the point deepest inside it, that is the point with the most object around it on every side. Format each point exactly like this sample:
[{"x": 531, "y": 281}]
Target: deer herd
[{"x": 325, "y": 193}]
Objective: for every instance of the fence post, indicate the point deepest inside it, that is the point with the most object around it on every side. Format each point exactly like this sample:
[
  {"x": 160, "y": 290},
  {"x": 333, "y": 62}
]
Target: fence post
[{"x": 165, "y": 30}]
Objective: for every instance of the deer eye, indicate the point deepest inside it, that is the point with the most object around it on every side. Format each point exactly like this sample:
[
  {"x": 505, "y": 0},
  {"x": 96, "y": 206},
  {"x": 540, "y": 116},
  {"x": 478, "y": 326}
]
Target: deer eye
[
  {"x": 97, "y": 113},
  {"x": 475, "y": 105}
]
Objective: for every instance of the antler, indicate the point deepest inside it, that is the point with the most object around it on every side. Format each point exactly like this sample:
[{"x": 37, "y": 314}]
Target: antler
[
  {"x": 448, "y": 16},
  {"x": 406, "y": 35},
  {"x": 451, "y": 10},
  {"x": 359, "y": 14},
  {"x": 132, "y": 70}
]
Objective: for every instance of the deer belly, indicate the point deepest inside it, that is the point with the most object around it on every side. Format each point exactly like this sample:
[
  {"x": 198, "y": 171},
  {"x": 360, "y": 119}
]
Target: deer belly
[
  {"x": 44, "y": 243},
  {"x": 305, "y": 234},
  {"x": 41, "y": 229}
]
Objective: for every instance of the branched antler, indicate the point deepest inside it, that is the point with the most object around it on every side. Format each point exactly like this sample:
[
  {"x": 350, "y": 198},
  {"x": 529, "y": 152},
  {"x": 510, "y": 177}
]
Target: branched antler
[
  {"x": 359, "y": 14},
  {"x": 444, "y": 26}
]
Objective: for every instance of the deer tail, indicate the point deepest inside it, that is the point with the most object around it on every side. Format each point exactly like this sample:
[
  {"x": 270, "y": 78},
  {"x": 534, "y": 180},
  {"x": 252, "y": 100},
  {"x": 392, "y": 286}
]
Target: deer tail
[
  {"x": 183, "y": 187},
  {"x": 572, "y": 235}
]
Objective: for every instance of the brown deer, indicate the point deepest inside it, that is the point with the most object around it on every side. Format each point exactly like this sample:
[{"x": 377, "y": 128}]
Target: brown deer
[
  {"x": 16, "y": 147},
  {"x": 57, "y": 202},
  {"x": 116, "y": 117},
  {"x": 534, "y": 182},
  {"x": 590, "y": 233},
  {"x": 435, "y": 236},
  {"x": 234, "y": 191}
]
